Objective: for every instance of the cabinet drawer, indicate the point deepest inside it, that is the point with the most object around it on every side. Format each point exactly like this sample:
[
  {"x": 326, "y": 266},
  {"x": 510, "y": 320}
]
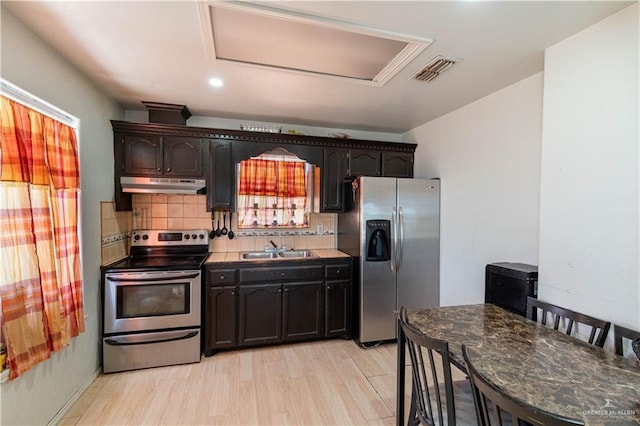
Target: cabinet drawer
[
  {"x": 221, "y": 276},
  {"x": 338, "y": 272},
  {"x": 281, "y": 274}
]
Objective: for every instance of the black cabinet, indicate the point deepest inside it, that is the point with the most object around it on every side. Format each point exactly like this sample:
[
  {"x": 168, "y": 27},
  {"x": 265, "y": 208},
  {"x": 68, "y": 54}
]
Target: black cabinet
[
  {"x": 337, "y": 296},
  {"x": 163, "y": 156},
  {"x": 248, "y": 305},
  {"x": 221, "y": 183},
  {"x": 142, "y": 155},
  {"x": 184, "y": 156},
  {"x": 220, "y": 315},
  {"x": 333, "y": 174},
  {"x": 337, "y": 314},
  {"x": 302, "y": 311},
  {"x": 260, "y": 319},
  {"x": 152, "y": 149},
  {"x": 221, "y": 318},
  {"x": 363, "y": 163},
  {"x": 397, "y": 164}
]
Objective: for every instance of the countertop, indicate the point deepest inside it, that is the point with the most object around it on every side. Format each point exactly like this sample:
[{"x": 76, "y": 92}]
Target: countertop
[
  {"x": 538, "y": 365},
  {"x": 235, "y": 256}
]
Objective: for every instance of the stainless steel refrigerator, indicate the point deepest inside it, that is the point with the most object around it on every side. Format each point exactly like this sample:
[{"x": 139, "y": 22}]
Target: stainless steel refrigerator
[{"x": 391, "y": 226}]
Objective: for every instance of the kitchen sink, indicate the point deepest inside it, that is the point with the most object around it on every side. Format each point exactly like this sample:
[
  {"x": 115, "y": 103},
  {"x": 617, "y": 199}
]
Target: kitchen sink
[
  {"x": 259, "y": 255},
  {"x": 297, "y": 253},
  {"x": 289, "y": 254}
]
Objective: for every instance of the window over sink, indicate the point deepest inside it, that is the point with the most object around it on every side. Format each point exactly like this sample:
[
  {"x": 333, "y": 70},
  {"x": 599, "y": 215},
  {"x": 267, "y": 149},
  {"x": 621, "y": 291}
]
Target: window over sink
[{"x": 275, "y": 190}]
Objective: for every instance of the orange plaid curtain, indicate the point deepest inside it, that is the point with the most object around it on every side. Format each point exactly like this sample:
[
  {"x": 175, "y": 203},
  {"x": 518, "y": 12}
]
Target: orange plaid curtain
[
  {"x": 269, "y": 182},
  {"x": 40, "y": 274}
]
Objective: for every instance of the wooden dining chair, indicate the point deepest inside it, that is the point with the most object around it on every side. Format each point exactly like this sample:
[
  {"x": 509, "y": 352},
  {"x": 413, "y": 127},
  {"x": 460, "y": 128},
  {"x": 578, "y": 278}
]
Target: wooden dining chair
[
  {"x": 495, "y": 407},
  {"x": 620, "y": 333},
  {"x": 599, "y": 328},
  {"x": 426, "y": 388}
]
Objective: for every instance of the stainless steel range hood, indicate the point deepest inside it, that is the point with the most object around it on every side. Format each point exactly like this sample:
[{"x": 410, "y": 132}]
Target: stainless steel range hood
[{"x": 150, "y": 185}]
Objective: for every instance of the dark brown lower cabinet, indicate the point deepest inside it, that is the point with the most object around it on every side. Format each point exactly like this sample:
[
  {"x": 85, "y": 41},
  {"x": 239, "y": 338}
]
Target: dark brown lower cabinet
[
  {"x": 303, "y": 304},
  {"x": 337, "y": 313},
  {"x": 266, "y": 304},
  {"x": 260, "y": 319},
  {"x": 220, "y": 323}
]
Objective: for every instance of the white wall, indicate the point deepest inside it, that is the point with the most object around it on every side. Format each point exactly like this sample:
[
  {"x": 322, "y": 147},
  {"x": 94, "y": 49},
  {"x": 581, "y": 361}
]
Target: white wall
[
  {"x": 36, "y": 397},
  {"x": 487, "y": 155},
  {"x": 589, "y": 191}
]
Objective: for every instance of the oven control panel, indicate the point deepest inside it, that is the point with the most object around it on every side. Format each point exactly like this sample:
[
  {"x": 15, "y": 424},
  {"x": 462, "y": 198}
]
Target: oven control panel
[{"x": 154, "y": 237}]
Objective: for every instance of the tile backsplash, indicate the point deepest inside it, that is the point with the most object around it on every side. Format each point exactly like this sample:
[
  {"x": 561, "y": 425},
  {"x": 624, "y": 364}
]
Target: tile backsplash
[
  {"x": 115, "y": 229},
  {"x": 162, "y": 211}
]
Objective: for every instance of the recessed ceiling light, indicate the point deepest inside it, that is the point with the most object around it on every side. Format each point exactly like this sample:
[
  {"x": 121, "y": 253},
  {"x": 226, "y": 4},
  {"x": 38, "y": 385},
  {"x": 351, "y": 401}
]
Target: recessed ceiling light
[{"x": 216, "y": 82}]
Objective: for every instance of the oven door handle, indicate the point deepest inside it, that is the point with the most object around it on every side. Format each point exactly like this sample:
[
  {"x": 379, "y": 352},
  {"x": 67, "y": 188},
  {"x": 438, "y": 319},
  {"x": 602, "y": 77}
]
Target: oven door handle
[
  {"x": 153, "y": 278},
  {"x": 113, "y": 341}
]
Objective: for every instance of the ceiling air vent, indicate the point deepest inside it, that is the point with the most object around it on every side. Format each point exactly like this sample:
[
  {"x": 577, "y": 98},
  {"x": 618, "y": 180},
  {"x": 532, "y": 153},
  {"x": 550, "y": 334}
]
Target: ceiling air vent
[{"x": 433, "y": 69}]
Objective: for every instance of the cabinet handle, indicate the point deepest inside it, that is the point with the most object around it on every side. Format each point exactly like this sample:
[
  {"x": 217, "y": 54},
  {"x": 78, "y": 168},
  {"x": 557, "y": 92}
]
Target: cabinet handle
[
  {"x": 168, "y": 169},
  {"x": 282, "y": 274},
  {"x": 233, "y": 293},
  {"x": 221, "y": 277},
  {"x": 328, "y": 287},
  {"x": 286, "y": 289},
  {"x": 158, "y": 169},
  {"x": 337, "y": 271},
  {"x": 279, "y": 290}
]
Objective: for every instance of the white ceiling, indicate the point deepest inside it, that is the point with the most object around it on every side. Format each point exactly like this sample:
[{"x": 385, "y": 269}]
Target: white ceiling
[{"x": 157, "y": 51}]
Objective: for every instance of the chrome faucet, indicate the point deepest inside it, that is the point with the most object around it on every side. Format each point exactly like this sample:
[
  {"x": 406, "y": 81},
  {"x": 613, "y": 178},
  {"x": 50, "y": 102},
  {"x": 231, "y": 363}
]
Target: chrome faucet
[{"x": 275, "y": 247}]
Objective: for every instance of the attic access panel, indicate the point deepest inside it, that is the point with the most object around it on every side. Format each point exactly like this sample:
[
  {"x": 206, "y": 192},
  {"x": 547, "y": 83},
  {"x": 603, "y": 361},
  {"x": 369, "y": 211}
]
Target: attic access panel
[{"x": 290, "y": 41}]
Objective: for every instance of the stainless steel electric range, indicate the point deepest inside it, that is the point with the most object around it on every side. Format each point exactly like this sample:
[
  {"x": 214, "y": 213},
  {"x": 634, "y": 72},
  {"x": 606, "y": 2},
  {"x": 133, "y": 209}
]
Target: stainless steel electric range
[{"x": 151, "y": 301}]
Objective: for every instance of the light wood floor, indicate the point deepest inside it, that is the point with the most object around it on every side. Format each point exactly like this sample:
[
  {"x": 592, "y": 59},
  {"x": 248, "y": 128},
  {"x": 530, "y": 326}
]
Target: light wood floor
[{"x": 332, "y": 382}]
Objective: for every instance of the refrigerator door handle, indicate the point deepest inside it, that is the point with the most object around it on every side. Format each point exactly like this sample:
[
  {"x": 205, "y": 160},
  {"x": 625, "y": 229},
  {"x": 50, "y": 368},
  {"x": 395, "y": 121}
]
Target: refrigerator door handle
[
  {"x": 401, "y": 239},
  {"x": 394, "y": 244}
]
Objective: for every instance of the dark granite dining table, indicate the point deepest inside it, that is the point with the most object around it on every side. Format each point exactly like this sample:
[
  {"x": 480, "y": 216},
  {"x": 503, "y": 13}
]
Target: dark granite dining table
[{"x": 532, "y": 363}]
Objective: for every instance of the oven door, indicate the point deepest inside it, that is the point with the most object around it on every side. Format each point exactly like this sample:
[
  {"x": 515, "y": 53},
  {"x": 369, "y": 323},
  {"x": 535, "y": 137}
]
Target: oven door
[{"x": 154, "y": 300}]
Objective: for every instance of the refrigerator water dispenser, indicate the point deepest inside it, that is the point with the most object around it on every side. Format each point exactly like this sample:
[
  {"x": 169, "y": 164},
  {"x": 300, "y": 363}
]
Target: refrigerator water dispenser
[{"x": 377, "y": 240}]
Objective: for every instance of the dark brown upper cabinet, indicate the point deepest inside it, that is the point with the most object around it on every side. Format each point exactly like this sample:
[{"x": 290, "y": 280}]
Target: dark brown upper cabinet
[
  {"x": 397, "y": 164},
  {"x": 184, "y": 156},
  {"x": 363, "y": 163},
  {"x": 142, "y": 155},
  {"x": 333, "y": 165},
  {"x": 150, "y": 155},
  {"x": 152, "y": 149},
  {"x": 221, "y": 183}
]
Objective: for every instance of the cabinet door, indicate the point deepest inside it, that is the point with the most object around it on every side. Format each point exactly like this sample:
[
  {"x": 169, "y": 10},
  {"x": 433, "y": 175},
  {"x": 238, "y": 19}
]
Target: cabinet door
[
  {"x": 183, "y": 156},
  {"x": 332, "y": 179},
  {"x": 397, "y": 164},
  {"x": 338, "y": 308},
  {"x": 303, "y": 311},
  {"x": 363, "y": 163},
  {"x": 142, "y": 155},
  {"x": 260, "y": 316},
  {"x": 220, "y": 187},
  {"x": 220, "y": 329}
]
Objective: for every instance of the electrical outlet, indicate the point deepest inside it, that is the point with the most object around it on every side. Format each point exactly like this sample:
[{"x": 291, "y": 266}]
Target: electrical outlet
[{"x": 320, "y": 230}]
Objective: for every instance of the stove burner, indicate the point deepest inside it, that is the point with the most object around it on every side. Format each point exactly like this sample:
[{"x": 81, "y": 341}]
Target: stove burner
[{"x": 165, "y": 250}]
